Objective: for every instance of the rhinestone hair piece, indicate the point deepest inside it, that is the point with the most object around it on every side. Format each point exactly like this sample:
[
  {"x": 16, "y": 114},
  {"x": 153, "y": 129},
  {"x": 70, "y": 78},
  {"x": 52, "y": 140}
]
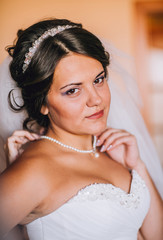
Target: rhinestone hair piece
[{"x": 51, "y": 32}]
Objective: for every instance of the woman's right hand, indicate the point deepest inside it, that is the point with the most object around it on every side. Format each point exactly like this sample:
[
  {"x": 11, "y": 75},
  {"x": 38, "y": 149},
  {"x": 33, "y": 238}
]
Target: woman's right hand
[{"x": 13, "y": 146}]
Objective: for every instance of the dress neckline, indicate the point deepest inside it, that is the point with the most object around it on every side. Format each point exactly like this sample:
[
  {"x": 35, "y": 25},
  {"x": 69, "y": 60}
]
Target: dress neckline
[
  {"x": 110, "y": 185},
  {"x": 133, "y": 195}
]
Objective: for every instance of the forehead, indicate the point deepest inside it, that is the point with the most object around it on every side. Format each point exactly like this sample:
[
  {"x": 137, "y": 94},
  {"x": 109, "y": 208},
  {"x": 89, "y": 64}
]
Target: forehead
[{"x": 76, "y": 68}]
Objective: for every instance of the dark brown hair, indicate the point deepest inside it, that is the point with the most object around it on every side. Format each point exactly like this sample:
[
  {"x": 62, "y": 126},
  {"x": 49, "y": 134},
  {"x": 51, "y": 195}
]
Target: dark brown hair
[{"x": 35, "y": 82}]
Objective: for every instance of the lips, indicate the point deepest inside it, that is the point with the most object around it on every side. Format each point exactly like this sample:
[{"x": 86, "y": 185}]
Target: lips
[{"x": 96, "y": 115}]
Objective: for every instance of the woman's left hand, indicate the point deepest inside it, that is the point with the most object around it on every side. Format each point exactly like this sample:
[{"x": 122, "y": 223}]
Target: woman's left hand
[
  {"x": 125, "y": 151},
  {"x": 120, "y": 145}
]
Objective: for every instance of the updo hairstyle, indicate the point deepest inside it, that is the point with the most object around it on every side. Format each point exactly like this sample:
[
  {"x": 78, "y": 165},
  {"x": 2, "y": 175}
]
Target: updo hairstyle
[{"x": 35, "y": 82}]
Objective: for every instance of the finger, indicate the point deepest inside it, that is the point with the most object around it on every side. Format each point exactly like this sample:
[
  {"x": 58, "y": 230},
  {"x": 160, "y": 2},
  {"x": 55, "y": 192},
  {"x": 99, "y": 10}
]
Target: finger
[
  {"x": 35, "y": 135},
  {"x": 104, "y": 135},
  {"x": 28, "y": 135},
  {"x": 128, "y": 140},
  {"x": 13, "y": 146},
  {"x": 23, "y": 133},
  {"x": 14, "y": 143},
  {"x": 101, "y": 139},
  {"x": 16, "y": 140},
  {"x": 108, "y": 143},
  {"x": 19, "y": 133}
]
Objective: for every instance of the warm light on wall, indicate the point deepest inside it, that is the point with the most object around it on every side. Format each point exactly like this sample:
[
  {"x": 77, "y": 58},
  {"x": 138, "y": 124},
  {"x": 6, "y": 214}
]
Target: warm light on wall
[{"x": 109, "y": 19}]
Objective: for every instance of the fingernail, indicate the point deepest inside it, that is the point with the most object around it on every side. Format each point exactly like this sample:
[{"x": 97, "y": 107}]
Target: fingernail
[
  {"x": 98, "y": 142},
  {"x": 102, "y": 149},
  {"x": 110, "y": 146}
]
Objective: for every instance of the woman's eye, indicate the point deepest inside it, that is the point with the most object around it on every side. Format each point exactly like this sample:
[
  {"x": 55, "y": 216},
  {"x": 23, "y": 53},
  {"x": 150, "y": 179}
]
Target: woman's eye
[
  {"x": 99, "y": 80},
  {"x": 72, "y": 91}
]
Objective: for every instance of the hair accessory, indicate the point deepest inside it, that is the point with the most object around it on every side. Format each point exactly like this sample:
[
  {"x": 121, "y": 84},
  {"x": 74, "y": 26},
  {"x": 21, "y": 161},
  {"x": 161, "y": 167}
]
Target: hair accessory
[
  {"x": 51, "y": 32},
  {"x": 96, "y": 154}
]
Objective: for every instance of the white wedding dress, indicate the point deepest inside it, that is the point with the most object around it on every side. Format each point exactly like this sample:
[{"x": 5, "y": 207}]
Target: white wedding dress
[{"x": 97, "y": 212}]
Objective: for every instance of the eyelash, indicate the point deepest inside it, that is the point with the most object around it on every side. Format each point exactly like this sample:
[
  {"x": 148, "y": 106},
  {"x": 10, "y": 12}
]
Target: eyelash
[
  {"x": 69, "y": 91},
  {"x": 72, "y": 90},
  {"x": 102, "y": 80}
]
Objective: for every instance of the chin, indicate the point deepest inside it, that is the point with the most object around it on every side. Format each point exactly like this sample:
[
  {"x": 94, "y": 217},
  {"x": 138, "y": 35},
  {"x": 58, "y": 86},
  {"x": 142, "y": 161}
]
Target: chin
[{"x": 98, "y": 129}]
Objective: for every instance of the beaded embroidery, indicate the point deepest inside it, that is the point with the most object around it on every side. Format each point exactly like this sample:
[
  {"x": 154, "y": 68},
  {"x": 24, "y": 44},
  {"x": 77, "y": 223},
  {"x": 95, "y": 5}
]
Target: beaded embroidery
[{"x": 102, "y": 191}]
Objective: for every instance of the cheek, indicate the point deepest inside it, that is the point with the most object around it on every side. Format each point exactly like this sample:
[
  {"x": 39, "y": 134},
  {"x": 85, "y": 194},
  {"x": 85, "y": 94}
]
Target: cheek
[
  {"x": 67, "y": 111},
  {"x": 106, "y": 96}
]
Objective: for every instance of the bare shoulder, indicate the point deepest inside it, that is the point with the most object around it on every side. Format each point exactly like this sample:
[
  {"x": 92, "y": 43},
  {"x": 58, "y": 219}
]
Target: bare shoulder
[
  {"x": 25, "y": 185},
  {"x": 37, "y": 168},
  {"x": 32, "y": 165},
  {"x": 26, "y": 175}
]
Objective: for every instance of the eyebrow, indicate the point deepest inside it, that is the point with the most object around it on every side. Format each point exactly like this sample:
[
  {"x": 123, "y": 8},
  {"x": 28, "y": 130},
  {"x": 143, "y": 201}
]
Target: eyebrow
[{"x": 80, "y": 83}]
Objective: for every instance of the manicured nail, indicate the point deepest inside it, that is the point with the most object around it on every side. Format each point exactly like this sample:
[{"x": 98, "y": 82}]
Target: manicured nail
[
  {"x": 102, "y": 149},
  {"x": 98, "y": 142},
  {"x": 110, "y": 146}
]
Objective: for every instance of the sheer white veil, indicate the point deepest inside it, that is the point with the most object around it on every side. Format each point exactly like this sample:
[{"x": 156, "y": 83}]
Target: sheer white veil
[{"x": 124, "y": 110}]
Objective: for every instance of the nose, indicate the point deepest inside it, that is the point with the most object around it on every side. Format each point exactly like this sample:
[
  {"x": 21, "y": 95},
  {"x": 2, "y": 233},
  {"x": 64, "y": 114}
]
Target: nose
[{"x": 93, "y": 99}]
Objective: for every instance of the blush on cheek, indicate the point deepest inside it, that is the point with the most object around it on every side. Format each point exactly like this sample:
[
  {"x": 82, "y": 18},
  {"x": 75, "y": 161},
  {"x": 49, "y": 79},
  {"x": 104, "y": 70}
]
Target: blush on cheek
[{"x": 64, "y": 114}]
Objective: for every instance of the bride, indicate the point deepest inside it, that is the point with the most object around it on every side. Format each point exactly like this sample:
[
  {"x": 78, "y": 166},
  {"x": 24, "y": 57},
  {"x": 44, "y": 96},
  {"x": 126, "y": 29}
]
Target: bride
[{"x": 80, "y": 180}]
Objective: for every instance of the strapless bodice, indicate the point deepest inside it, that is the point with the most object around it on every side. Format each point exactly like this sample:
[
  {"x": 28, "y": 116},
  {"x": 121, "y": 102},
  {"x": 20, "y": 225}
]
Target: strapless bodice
[{"x": 98, "y": 211}]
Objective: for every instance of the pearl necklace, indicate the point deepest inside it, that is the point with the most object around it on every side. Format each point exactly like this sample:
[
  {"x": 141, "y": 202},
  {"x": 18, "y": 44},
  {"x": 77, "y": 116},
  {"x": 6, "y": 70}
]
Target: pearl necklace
[{"x": 73, "y": 148}]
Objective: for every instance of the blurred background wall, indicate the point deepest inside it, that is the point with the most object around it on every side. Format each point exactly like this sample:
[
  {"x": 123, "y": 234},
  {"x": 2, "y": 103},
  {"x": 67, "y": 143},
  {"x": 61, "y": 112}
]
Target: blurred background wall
[
  {"x": 133, "y": 26},
  {"x": 111, "y": 19}
]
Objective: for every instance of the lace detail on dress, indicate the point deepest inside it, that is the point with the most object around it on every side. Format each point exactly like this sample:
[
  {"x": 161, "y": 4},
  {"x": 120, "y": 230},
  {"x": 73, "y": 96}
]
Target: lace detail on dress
[{"x": 103, "y": 191}]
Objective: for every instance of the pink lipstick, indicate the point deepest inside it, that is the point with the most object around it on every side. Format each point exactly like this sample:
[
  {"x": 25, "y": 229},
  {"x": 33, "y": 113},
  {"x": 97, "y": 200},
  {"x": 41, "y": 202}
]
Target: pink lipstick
[{"x": 96, "y": 115}]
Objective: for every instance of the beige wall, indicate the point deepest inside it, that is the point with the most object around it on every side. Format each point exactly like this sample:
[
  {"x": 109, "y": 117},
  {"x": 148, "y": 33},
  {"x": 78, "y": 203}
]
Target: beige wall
[{"x": 111, "y": 19}]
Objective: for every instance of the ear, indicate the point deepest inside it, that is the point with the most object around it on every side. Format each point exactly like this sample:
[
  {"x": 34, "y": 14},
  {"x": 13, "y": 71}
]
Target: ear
[{"x": 44, "y": 110}]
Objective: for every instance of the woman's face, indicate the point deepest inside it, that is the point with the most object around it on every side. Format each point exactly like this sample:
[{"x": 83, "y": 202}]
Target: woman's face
[{"x": 79, "y": 97}]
